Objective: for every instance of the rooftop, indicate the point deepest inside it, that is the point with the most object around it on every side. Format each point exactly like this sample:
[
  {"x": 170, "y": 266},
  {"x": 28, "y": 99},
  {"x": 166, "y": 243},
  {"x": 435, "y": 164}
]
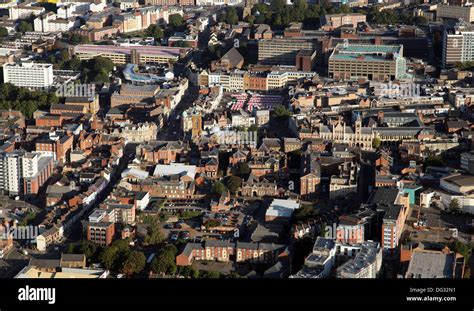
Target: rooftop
[
  {"x": 282, "y": 208},
  {"x": 431, "y": 264}
]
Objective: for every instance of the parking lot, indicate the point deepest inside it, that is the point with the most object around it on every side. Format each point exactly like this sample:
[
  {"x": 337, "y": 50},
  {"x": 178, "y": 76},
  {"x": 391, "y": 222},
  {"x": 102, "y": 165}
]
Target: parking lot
[{"x": 194, "y": 229}]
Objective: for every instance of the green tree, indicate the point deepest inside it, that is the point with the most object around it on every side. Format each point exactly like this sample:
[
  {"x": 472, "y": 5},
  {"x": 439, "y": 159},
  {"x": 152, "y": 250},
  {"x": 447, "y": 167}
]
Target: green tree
[
  {"x": 108, "y": 257},
  {"x": 465, "y": 65},
  {"x": 175, "y": 20},
  {"x": 454, "y": 205},
  {"x": 24, "y": 27},
  {"x": 277, "y": 5},
  {"x": 194, "y": 273},
  {"x": 87, "y": 248},
  {"x": 75, "y": 39},
  {"x": 231, "y": 16},
  {"x": 27, "y": 219},
  {"x": 250, "y": 19},
  {"x": 154, "y": 31},
  {"x": 345, "y": 9},
  {"x": 134, "y": 263},
  {"x": 305, "y": 212},
  {"x": 376, "y": 143},
  {"x": 281, "y": 112},
  {"x": 244, "y": 169},
  {"x": 165, "y": 261},
  {"x": 3, "y": 32},
  {"x": 219, "y": 187},
  {"x": 433, "y": 161},
  {"x": 234, "y": 183},
  {"x": 212, "y": 223},
  {"x": 462, "y": 248},
  {"x": 97, "y": 69},
  {"x": 24, "y": 100},
  {"x": 72, "y": 64},
  {"x": 154, "y": 235}
]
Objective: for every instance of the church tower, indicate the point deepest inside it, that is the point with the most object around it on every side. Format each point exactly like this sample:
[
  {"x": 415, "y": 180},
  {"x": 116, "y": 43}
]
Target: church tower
[{"x": 358, "y": 127}]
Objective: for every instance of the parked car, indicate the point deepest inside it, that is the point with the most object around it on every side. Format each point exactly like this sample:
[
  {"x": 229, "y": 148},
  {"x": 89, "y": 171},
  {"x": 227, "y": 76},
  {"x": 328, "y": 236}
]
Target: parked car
[
  {"x": 185, "y": 235},
  {"x": 174, "y": 237}
]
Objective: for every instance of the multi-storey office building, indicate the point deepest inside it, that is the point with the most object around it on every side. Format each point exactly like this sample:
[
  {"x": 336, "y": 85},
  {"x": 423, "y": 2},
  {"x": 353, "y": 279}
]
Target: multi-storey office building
[
  {"x": 282, "y": 51},
  {"x": 465, "y": 13},
  {"x": 458, "y": 44},
  {"x": 28, "y": 74},
  {"x": 373, "y": 62},
  {"x": 130, "y": 54}
]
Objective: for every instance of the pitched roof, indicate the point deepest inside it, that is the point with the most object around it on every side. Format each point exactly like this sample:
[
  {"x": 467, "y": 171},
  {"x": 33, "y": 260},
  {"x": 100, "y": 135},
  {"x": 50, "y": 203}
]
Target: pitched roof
[{"x": 233, "y": 56}]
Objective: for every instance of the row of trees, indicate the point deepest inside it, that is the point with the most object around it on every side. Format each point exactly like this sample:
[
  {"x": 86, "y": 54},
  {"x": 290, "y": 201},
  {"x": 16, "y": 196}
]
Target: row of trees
[
  {"x": 279, "y": 14},
  {"x": 465, "y": 65},
  {"x": 393, "y": 17},
  {"x": 74, "y": 38},
  {"x": 24, "y": 100},
  {"x": 118, "y": 257}
]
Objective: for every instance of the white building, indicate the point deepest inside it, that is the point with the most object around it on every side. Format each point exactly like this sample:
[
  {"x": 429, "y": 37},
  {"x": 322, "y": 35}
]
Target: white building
[
  {"x": 320, "y": 262},
  {"x": 51, "y": 22},
  {"x": 453, "y": 187},
  {"x": 281, "y": 209},
  {"x": 17, "y": 166},
  {"x": 24, "y": 10},
  {"x": 28, "y": 74},
  {"x": 365, "y": 265},
  {"x": 71, "y": 9},
  {"x": 175, "y": 169},
  {"x": 12, "y": 171}
]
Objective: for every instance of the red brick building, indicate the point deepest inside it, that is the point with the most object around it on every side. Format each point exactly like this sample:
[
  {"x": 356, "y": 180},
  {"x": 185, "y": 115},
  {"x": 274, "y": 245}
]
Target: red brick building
[
  {"x": 225, "y": 251},
  {"x": 101, "y": 233},
  {"x": 59, "y": 148}
]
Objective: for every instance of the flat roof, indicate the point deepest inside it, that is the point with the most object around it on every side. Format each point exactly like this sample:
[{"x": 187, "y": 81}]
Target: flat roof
[
  {"x": 460, "y": 180},
  {"x": 146, "y": 50},
  {"x": 66, "y": 273},
  {"x": 282, "y": 208},
  {"x": 361, "y": 52},
  {"x": 431, "y": 264}
]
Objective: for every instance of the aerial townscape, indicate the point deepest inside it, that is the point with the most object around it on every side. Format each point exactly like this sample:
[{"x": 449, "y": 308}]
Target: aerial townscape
[{"x": 196, "y": 139}]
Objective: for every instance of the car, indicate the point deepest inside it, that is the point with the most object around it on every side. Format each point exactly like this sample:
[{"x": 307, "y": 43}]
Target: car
[
  {"x": 177, "y": 226},
  {"x": 168, "y": 226},
  {"x": 184, "y": 235},
  {"x": 174, "y": 237}
]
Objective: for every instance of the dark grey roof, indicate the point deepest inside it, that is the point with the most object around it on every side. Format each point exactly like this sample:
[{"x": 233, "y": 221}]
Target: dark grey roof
[
  {"x": 44, "y": 263},
  {"x": 73, "y": 257},
  {"x": 217, "y": 243},
  {"x": 233, "y": 56}
]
